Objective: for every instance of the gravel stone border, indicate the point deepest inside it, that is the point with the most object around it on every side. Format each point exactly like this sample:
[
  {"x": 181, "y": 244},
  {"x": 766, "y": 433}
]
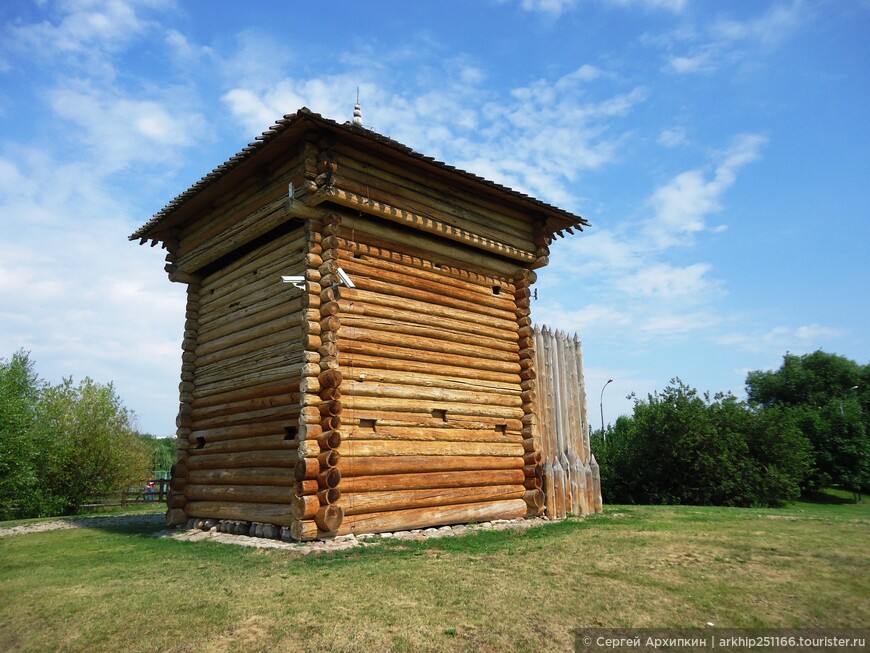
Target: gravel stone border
[{"x": 268, "y": 536}]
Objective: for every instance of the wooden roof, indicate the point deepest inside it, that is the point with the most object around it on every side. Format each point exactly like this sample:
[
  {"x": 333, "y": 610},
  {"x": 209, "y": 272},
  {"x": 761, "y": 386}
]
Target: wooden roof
[{"x": 271, "y": 143}]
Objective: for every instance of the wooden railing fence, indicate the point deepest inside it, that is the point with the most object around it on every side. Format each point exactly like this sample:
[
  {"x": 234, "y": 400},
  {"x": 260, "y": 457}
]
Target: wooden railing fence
[
  {"x": 572, "y": 484},
  {"x": 140, "y": 493}
]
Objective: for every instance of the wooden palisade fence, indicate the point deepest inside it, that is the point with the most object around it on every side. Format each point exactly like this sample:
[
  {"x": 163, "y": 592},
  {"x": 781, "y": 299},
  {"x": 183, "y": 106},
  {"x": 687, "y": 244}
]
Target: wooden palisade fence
[
  {"x": 572, "y": 484},
  {"x": 390, "y": 382}
]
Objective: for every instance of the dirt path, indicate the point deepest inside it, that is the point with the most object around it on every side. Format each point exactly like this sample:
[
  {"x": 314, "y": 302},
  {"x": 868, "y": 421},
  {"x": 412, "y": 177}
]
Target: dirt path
[{"x": 80, "y": 522}]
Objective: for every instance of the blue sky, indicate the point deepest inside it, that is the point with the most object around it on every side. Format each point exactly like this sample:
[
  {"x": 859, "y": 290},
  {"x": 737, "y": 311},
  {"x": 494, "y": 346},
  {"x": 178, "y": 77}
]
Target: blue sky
[{"x": 720, "y": 149}]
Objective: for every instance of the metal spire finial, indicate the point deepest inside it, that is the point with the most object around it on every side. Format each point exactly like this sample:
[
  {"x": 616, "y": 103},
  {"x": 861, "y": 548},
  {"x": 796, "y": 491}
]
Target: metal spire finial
[{"x": 357, "y": 111}]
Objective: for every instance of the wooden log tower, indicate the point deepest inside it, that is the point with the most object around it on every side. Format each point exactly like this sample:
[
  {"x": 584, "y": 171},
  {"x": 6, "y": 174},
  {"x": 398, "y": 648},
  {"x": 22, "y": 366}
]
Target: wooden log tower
[{"x": 391, "y": 384}]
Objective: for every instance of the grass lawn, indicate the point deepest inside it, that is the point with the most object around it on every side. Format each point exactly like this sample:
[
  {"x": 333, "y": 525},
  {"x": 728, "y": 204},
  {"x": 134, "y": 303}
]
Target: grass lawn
[{"x": 116, "y": 589}]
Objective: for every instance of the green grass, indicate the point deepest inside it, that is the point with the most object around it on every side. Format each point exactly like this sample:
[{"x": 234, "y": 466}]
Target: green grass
[{"x": 112, "y": 589}]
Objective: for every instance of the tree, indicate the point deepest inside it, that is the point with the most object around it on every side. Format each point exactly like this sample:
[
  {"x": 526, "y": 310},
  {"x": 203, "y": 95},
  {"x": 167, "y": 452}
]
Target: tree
[
  {"x": 828, "y": 398},
  {"x": 682, "y": 448},
  {"x": 62, "y": 445},
  {"x": 91, "y": 448},
  {"x": 162, "y": 452},
  {"x": 19, "y": 478}
]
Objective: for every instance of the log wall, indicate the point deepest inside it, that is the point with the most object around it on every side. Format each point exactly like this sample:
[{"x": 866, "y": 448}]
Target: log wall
[
  {"x": 242, "y": 385},
  {"x": 572, "y": 483},
  {"x": 433, "y": 406}
]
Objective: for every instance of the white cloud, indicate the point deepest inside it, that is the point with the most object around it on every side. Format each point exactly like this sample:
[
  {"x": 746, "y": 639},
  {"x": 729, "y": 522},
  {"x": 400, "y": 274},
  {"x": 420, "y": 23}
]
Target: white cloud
[
  {"x": 725, "y": 40},
  {"x": 119, "y": 129},
  {"x": 500, "y": 138},
  {"x": 673, "y": 137},
  {"x": 784, "y": 338},
  {"x": 771, "y": 27},
  {"x": 555, "y": 7},
  {"x": 675, "y": 6},
  {"x": 558, "y": 7},
  {"x": 668, "y": 283},
  {"x": 585, "y": 319},
  {"x": 693, "y": 64},
  {"x": 682, "y": 205}
]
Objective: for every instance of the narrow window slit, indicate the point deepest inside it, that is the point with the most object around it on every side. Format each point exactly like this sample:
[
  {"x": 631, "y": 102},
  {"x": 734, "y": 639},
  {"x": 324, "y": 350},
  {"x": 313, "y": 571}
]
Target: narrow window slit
[
  {"x": 290, "y": 432},
  {"x": 440, "y": 413},
  {"x": 200, "y": 442},
  {"x": 366, "y": 423},
  {"x": 496, "y": 290},
  {"x": 501, "y": 429}
]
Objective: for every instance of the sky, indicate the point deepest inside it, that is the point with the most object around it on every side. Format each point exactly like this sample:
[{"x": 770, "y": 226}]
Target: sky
[{"x": 721, "y": 151}]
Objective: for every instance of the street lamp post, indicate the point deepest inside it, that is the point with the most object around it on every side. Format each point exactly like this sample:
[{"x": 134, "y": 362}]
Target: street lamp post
[
  {"x": 601, "y": 405},
  {"x": 852, "y": 389}
]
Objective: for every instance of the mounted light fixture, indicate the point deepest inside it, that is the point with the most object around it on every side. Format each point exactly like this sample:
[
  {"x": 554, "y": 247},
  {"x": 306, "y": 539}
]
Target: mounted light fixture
[
  {"x": 345, "y": 279},
  {"x": 298, "y": 282}
]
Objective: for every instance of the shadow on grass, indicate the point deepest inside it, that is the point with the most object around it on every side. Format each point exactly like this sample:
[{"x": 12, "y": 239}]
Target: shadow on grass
[
  {"x": 829, "y": 497},
  {"x": 122, "y": 524}
]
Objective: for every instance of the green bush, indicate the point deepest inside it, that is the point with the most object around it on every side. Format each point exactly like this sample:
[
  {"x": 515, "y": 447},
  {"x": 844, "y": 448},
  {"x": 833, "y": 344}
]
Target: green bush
[
  {"x": 682, "y": 448},
  {"x": 62, "y": 445}
]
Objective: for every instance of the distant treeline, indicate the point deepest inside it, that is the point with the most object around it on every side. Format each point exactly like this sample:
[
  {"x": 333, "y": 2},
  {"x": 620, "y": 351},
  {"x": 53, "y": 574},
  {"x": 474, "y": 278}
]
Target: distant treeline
[
  {"x": 63, "y": 445},
  {"x": 803, "y": 427}
]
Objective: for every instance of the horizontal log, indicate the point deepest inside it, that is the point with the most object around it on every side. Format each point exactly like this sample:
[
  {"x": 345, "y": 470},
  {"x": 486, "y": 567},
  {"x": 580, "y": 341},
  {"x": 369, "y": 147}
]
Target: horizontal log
[
  {"x": 304, "y": 507},
  {"x": 351, "y": 466},
  {"x": 240, "y": 418},
  {"x": 408, "y": 352},
  {"x": 244, "y": 459},
  {"x": 441, "y": 434},
  {"x": 273, "y": 427},
  {"x": 353, "y": 361},
  {"x": 384, "y": 418},
  {"x": 431, "y": 480},
  {"x": 240, "y": 493},
  {"x": 303, "y": 530},
  {"x": 306, "y": 469},
  {"x": 281, "y": 476},
  {"x": 304, "y": 488},
  {"x": 246, "y": 399},
  {"x": 270, "y": 397},
  {"x": 369, "y": 502},
  {"x": 271, "y": 513},
  {"x": 259, "y": 443},
  {"x": 452, "y": 408},
  {"x": 400, "y": 520},
  {"x": 370, "y": 388},
  {"x": 368, "y": 448}
]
